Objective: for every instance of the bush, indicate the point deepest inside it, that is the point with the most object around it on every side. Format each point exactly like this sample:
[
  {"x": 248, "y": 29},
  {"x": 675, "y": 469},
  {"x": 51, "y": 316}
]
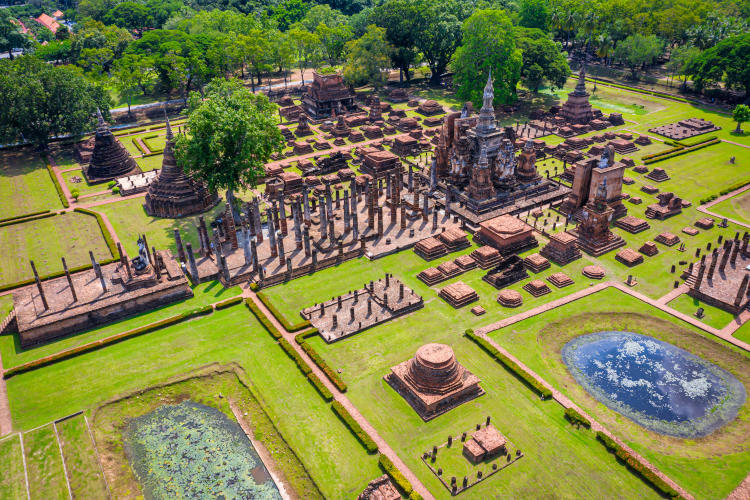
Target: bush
[
  {"x": 699, "y": 140},
  {"x": 330, "y": 373},
  {"x": 254, "y": 287},
  {"x": 103, "y": 228},
  {"x": 58, "y": 187},
  {"x": 662, "y": 153},
  {"x": 26, "y": 218},
  {"x": 576, "y": 418},
  {"x": 280, "y": 317},
  {"x": 262, "y": 318},
  {"x": 116, "y": 190},
  {"x": 111, "y": 184},
  {"x": 636, "y": 466},
  {"x": 301, "y": 337},
  {"x": 396, "y": 476},
  {"x": 228, "y": 303},
  {"x": 681, "y": 152},
  {"x": 75, "y": 193},
  {"x": 354, "y": 426},
  {"x": 543, "y": 392},
  {"x": 636, "y": 89},
  {"x": 137, "y": 144}
]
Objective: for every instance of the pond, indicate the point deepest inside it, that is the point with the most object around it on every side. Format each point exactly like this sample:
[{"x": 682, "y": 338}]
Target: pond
[
  {"x": 661, "y": 387},
  {"x": 189, "y": 450}
]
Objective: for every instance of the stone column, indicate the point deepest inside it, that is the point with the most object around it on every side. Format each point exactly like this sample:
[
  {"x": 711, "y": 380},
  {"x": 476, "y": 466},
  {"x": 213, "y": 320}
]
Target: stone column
[
  {"x": 448, "y": 195},
  {"x": 306, "y": 239},
  {"x": 338, "y": 199},
  {"x": 281, "y": 249},
  {"x": 735, "y": 251},
  {"x": 425, "y": 206},
  {"x": 98, "y": 270},
  {"x": 250, "y": 218},
  {"x": 275, "y": 215},
  {"x": 297, "y": 225},
  {"x": 217, "y": 247},
  {"x": 741, "y": 291},
  {"x": 323, "y": 221},
  {"x": 434, "y": 220},
  {"x": 39, "y": 285},
  {"x": 271, "y": 233},
  {"x": 372, "y": 196},
  {"x": 314, "y": 259},
  {"x": 347, "y": 221},
  {"x": 246, "y": 247},
  {"x": 157, "y": 263},
  {"x": 70, "y": 280},
  {"x": 231, "y": 229},
  {"x": 411, "y": 178},
  {"x": 225, "y": 268},
  {"x": 148, "y": 251},
  {"x": 254, "y": 251},
  {"x": 380, "y": 221},
  {"x": 355, "y": 223},
  {"x": 388, "y": 187},
  {"x": 203, "y": 237},
  {"x": 306, "y": 204},
  {"x": 282, "y": 214},
  {"x": 123, "y": 259},
  {"x": 178, "y": 243},
  {"x": 433, "y": 176},
  {"x": 403, "y": 216},
  {"x": 192, "y": 264},
  {"x": 258, "y": 223},
  {"x": 329, "y": 200}
]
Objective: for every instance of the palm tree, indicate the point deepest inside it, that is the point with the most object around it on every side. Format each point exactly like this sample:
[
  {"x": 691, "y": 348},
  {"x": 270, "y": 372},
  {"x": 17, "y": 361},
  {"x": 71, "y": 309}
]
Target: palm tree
[{"x": 603, "y": 43}]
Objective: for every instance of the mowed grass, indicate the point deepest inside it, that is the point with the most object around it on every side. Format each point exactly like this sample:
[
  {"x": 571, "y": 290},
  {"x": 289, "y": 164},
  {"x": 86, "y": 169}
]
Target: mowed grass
[
  {"x": 12, "y": 480},
  {"x": 332, "y": 455},
  {"x": 44, "y": 464},
  {"x": 130, "y": 219},
  {"x": 713, "y": 316},
  {"x": 82, "y": 186},
  {"x": 737, "y": 207},
  {"x": 81, "y": 462},
  {"x": 204, "y": 294},
  {"x": 25, "y": 183},
  {"x": 46, "y": 241},
  {"x": 710, "y": 467}
]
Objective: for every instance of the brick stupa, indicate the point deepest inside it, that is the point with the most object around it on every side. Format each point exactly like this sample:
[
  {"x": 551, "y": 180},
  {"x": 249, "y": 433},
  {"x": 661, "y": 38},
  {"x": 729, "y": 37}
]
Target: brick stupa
[
  {"x": 174, "y": 193},
  {"x": 577, "y": 108},
  {"x": 109, "y": 158},
  {"x": 433, "y": 382}
]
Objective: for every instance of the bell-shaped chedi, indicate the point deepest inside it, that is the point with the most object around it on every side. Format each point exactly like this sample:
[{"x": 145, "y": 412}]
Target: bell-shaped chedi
[
  {"x": 174, "y": 193},
  {"x": 109, "y": 159}
]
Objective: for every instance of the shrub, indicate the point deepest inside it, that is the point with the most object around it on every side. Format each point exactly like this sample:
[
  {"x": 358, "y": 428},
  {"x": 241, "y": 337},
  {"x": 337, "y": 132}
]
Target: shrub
[
  {"x": 280, "y": 317},
  {"x": 681, "y": 152},
  {"x": 301, "y": 337},
  {"x": 58, "y": 187},
  {"x": 75, "y": 193},
  {"x": 664, "y": 95},
  {"x": 330, "y": 373},
  {"x": 543, "y": 392},
  {"x": 111, "y": 184},
  {"x": 27, "y": 218},
  {"x": 137, "y": 144},
  {"x": 354, "y": 426},
  {"x": 576, "y": 418},
  {"x": 662, "y": 153},
  {"x": 262, "y": 318},
  {"x": 396, "y": 476},
  {"x": 228, "y": 303},
  {"x": 699, "y": 140},
  {"x": 254, "y": 287},
  {"x": 116, "y": 190},
  {"x": 103, "y": 228},
  {"x": 636, "y": 466}
]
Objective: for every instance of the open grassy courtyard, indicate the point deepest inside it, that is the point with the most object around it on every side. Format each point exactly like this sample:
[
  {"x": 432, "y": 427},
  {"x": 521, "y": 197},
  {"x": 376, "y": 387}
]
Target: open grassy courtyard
[
  {"x": 26, "y": 185},
  {"x": 737, "y": 207}
]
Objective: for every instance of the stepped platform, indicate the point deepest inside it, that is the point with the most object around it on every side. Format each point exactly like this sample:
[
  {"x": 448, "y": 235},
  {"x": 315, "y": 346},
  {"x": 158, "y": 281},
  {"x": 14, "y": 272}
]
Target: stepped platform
[
  {"x": 486, "y": 256},
  {"x": 537, "y": 288},
  {"x": 536, "y": 263},
  {"x": 594, "y": 272},
  {"x": 458, "y": 294},
  {"x": 560, "y": 280},
  {"x": 631, "y": 224},
  {"x": 629, "y": 257},
  {"x": 667, "y": 239},
  {"x": 509, "y": 298}
]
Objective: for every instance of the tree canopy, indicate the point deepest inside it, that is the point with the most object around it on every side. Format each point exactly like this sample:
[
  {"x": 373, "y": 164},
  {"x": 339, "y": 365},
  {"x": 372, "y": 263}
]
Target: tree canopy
[
  {"x": 367, "y": 58},
  {"x": 728, "y": 62},
  {"x": 543, "y": 60}
]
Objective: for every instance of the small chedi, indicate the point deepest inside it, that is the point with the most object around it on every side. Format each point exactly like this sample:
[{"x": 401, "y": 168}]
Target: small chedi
[
  {"x": 174, "y": 193},
  {"x": 588, "y": 176},
  {"x": 433, "y": 381},
  {"x": 326, "y": 95},
  {"x": 577, "y": 109},
  {"x": 109, "y": 159},
  {"x": 593, "y": 232}
]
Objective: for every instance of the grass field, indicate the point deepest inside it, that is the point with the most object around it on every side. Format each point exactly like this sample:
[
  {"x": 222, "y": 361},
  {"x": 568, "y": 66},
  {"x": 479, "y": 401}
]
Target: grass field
[
  {"x": 713, "y": 316},
  {"x": 332, "y": 455},
  {"x": 44, "y": 464},
  {"x": 45, "y": 241},
  {"x": 737, "y": 207},
  {"x": 204, "y": 294},
  {"x": 724, "y": 456},
  {"x": 12, "y": 480},
  {"x": 82, "y": 186},
  {"x": 26, "y": 184},
  {"x": 81, "y": 462}
]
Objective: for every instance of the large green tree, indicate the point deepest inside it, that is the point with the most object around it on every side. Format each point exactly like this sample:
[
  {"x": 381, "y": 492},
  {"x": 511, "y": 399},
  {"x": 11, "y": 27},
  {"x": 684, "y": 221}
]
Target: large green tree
[
  {"x": 740, "y": 114},
  {"x": 439, "y": 32},
  {"x": 39, "y": 100},
  {"x": 728, "y": 61},
  {"x": 488, "y": 43},
  {"x": 10, "y": 34},
  {"x": 230, "y": 136},
  {"x": 367, "y": 58},
  {"x": 534, "y": 14},
  {"x": 637, "y": 51},
  {"x": 398, "y": 18},
  {"x": 543, "y": 60}
]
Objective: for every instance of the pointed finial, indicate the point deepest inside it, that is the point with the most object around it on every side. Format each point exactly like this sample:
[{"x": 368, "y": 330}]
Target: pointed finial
[
  {"x": 99, "y": 116},
  {"x": 169, "y": 127}
]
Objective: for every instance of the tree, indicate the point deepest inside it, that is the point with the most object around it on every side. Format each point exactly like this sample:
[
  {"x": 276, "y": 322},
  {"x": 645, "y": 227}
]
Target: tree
[
  {"x": 488, "y": 43},
  {"x": 397, "y": 17},
  {"x": 256, "y": 52},
  {"x": 281, "y": 51},
  {"x": 727, "y": 61},
  {"x": 740, "y": 114},
  {"x": 543, "y": 60},
  {"x": 367, "y": 57},
  {"x": 638, "y": 50},
  {"x": 534, "y": 14},
  {"x": 322, "y": 14},
  {"x": 129, "y": 15},
  {"x": 289, "y": 12},
  {"x": 131, "y": 73},
  {"x": 39, "y": 100},
  {"x": 333, "y": 40},
  {"x": 439, "y": 32},
  {"x": 680, "y": 60},
  {"x": 230, "y": 136},
  {"x": 306, "y": 45},
  {"x": 10, "y": 34}
]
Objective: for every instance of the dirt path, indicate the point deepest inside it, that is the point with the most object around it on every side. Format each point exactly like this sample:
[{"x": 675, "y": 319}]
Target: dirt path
[
  {"x": 736, "y": 144},
  {"x": 383, "y": 447}
]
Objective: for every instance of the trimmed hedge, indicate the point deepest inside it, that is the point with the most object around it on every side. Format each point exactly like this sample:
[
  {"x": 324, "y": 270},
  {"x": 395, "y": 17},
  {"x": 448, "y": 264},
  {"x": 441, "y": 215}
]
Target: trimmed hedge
[
  {"x": 262, "y": 318},
  {"x": 228, "y": 303},
  {"x": 24, "y": 216},
  {"x": 724, "y": 191},
  {"x": 126, "y": 131},
  {"x": 662, "y": 153},
  {"x": 576, "y": 418},
  {"x": 103, "y": 227},
  {"x": 301, "y": 337},
  {"x": 69, "y": 353},
  {"x": 330, "y": 373},
  {"x": 699, "y": 140},
  {"x": 58, "y": 187},
  {"x": 280, "y": 317},
  {"x": 147, "y": 141},
  {"x": 397, "y": 477},
  {"x": 682, "y": 152},
  {"x": 28, "y": 219},
  {"x": 137, "y": 144},
  {"x": 655, "y": 93},
  {"x": 354, "y": 426},
  {"x": 543, "y": 392},
  {"x": 637, "y": 466}
]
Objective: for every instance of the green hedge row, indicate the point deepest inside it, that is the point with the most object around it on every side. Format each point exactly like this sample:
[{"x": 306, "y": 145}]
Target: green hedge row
[
  {"x": 103, "y": 227},
  {"x": 655, "y": 93},
  {"x": 56, "y": 274},
  {"x": 576, "y": 418},
  {"x": 290, "y": 351},
  {"x": 724, "y": 191},
  {"x": 699, "y": 140},
  {"x": 398, "y": 478},
  {"x": 228, "y": 303},
  {"x": 354, "y": 426},
  {"x": 137, "y": 144},
  {"x": 28, "y": 219},
  {"x": 637, "y": 466},
  {"x": 301, "y": 337},
  {"x": 280, "y": 317},
  {"x": 147, "y": 141},
  {"x": 682, "y": 152},
  {"x": 127, "y": 131},
  {"x": 330, "y": 373},
  {"x": 662, "y": 153},
  {"x": 24, "y": 216},
  {"x": 53, "y": 358},
  {"x": 543, "y": 392},
  {"x": 58, "y": 187}
]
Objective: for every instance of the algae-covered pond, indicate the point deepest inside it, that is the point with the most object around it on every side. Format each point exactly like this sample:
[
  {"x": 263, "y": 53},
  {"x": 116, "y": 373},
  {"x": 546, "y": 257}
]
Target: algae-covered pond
[
  {"x": 658, "y": 385},
  {"x": 189, "y": 450}
]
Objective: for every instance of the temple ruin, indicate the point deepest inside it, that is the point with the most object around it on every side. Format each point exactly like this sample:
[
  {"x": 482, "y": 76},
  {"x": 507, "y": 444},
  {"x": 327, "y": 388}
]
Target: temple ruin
[{"x": 109, "y": 159}]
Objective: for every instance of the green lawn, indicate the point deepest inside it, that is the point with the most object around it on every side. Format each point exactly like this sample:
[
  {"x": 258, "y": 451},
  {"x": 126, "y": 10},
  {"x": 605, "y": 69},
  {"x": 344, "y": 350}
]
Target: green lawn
[
  {"x": 737, "y": 207},
  {"x": 714, "y": 316},
  {"x": 332, "y": 455},
  {"x": 81, "y": 462},
  {"x": 129, "y": 219},
  {"x": 205, "y": 293},
  {"x": 150, "y": 162},
  {"x": 44, "y": 464},
  {"x": 45, "y": 241},
  {"x": 12, "y": 480},
  {"x": 82, "y": 185},
  {"x": 25, "y": 183},
  {"x": 710, "y": 467}
]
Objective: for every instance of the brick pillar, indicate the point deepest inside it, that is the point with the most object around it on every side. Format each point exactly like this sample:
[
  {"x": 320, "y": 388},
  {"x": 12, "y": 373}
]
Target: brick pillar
[
  {"x": 70, "y": 280},
  {"x": 192, "y": 264},
  {"x": 178, "y": 243},
  {"x": 39, "y": 286}
]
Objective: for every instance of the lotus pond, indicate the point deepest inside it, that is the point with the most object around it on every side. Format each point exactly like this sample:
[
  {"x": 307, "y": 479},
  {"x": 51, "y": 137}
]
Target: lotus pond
[
  {"x": 191, "y": 450},
  {"x": 656, "y": 384}
]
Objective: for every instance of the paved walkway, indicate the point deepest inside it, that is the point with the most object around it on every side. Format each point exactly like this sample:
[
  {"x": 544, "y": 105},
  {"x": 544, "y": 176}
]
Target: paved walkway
[
  {"x": 666, "y": 299},
  {"x": 704, "y": 208},
  {"x": 383, "y": 447}
]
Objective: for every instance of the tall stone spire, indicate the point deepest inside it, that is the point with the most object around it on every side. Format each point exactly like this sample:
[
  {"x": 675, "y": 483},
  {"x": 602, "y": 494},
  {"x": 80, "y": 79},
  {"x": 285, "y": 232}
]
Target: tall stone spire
[
  {"x": 109, "y": 159},
  {"x": 487, "y": 113},
  {"x": 581, "y": 85}
]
